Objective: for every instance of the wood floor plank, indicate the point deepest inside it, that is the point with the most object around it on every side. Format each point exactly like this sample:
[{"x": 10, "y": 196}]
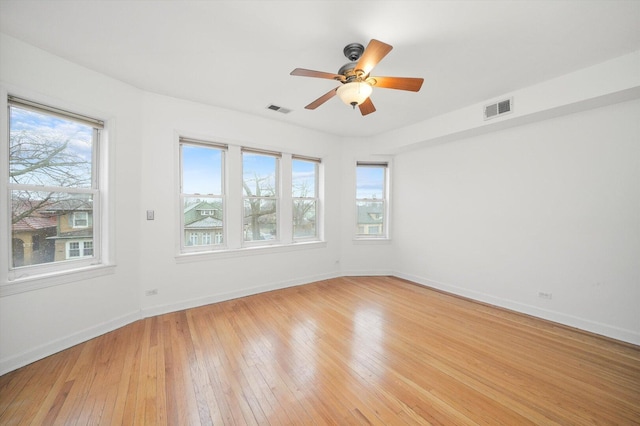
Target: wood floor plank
[{"x": 353, "y": 350}]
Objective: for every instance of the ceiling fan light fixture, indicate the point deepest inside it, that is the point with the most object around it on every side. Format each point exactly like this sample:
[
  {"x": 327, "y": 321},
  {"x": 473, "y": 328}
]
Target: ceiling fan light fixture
[{"x": 354, "y": 93}]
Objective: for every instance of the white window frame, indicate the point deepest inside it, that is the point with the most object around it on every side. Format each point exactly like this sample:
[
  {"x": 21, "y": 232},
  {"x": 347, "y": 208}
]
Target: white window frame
[
  {"x": 315, "y": 199},
  {"x": 82, "y": 248},
  {"x": 76, "y": 219},
  {"x": 219, "y": 242},
  {"x": 234, "y": 244},
  {"x": 385, "y": 235},
  {"x": 218, "y": 238},
  {"x": 276, "y": 198},
  {"x": 206, "y": 239},
  {"x": 15, "y": 280}
]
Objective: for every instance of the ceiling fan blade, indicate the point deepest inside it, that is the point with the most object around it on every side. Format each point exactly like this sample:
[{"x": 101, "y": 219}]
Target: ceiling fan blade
[
  {"x": 375, "y": 51},
  {"x": 399, "y": 83},
  {"x": 322, "y": 99},
  {"x": 318, "y": 74},
  {"x": 367, "y": 107}
]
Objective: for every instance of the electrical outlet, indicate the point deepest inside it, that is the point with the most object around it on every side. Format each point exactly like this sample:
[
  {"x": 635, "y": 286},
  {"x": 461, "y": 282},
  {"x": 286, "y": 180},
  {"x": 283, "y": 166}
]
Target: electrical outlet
[
  {"x": 543, "y": 295},
  {"x": 151, "y": 292}
]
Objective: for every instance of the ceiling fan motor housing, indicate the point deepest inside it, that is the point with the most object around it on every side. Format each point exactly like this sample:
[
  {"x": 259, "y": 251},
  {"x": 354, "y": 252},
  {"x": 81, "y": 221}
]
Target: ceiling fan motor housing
[
  {"x": 353, "y": 51},
  {"x": 348, "y": 70}
]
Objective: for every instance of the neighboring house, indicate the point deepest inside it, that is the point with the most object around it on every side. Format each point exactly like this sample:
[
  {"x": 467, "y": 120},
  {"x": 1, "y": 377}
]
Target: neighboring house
[
  {"x": 55, "y": 231},
  {"x": 370, "y": 219},
  {"x": 30, "y": 243},
  {"x": 74, "y": 238},
  {"x": 203, "y": 224}
]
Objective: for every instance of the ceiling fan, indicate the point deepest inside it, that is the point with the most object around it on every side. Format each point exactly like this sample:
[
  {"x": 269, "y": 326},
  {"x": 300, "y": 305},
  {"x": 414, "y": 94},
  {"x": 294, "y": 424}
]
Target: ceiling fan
[{"x": 357, "y": 83}]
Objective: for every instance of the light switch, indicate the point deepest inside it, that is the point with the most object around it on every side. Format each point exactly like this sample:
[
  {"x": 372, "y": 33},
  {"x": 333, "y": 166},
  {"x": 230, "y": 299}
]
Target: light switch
[{"x": 149, "y": 214}]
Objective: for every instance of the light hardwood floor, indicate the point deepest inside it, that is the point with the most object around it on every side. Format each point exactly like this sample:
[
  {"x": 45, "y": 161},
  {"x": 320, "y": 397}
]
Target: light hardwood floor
[{"x": 360, "y": 350}]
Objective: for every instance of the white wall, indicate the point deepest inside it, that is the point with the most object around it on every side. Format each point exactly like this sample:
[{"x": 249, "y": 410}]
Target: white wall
[
  {"x": 37, "y": 323},
  {"x": 552, "y": 207}
]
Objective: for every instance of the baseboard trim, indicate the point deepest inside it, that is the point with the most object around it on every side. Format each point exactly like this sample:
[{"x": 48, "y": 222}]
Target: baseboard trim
[
  {"x": 625, "y": 335},
  {"x": 369, "y": 273},
  {"x": 222, "y": 297},
  {"x": 50, "y": 348}
]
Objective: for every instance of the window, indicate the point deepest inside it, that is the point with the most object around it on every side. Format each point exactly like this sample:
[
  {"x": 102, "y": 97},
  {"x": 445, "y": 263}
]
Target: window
[
  {"x": 73, "y": 249},
  {"x": 235, "y": 198},
  {"x": 260, "y": 195},
  {"x": 88, "y": 248},
  {"x": 206, "y": 238},
  {"x": 80, "y": 219},
  {"x": 53, "y": 188},
  {"x": 193, "y": 239},
  {"x": 76, "y": 249},
  {"x": 371, "y": 200},
  {"x": 304, "y": 192},
  {"x": 202, "y": 193}
]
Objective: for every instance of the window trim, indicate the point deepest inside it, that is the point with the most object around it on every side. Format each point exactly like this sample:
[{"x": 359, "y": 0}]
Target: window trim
[
  {"x": 81, "y": 249},
  {"x": 276, "y": 198},
  {"x": 185, "y": 248},
  {"x": 31, "y": 277},
  {"x": 386, "y": 197},
  {"x": 234, "y": 246},
  {"x": 315, "y": 199},
  {"x": 86, "y": 218}
]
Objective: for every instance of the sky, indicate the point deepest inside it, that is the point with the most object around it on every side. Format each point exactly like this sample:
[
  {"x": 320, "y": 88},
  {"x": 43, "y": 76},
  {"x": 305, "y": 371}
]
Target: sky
[
  {"x": 43, "y": 133},
  {"x": 370, "y": 182},
  {"x": 202, "y": 172}
]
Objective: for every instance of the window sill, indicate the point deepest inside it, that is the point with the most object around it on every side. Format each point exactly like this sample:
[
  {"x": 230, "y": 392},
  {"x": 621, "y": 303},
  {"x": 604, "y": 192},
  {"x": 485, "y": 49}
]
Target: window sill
[
  {"x": 375, "y": 241},
  {"x": 248, "y": 251},
  {"x": 36, "y": 282}
]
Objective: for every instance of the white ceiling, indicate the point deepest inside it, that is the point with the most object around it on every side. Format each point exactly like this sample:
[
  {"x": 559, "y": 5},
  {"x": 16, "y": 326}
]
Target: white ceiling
[{"x": 238, "y": 54}]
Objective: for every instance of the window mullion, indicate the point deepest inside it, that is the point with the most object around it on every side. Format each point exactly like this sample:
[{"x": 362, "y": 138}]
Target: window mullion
[{"x": 286, "y": 200}]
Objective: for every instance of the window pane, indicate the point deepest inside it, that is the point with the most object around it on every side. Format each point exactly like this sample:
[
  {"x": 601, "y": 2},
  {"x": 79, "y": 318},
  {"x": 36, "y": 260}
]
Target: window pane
[
  {"x": 88, "y": 248},
  {"x": 304, "y": 178},
  {"x": 370, "y": 182},
  {"x": 259, "y": 219},
  {"x": 202, "y": 217},
  {"x": 259, "y": 175},
  {"x": 206, "y": 238},
  {"x": 304, "y": 218},
  {"x": 47, "y": 150},
  {"x": 47, "y": 217},
  {"x": 201, "y": 170},
  {"x": 74, "y": 250},
  {"x": 370, "y": 217},
  {"x": 80, "y": 219}
]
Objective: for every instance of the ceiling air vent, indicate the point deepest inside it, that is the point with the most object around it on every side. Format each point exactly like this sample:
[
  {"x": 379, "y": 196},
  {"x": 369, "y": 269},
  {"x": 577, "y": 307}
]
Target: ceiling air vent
[
  {"x": 278, "y": 109},
  {"x": 498, "y": 108}
]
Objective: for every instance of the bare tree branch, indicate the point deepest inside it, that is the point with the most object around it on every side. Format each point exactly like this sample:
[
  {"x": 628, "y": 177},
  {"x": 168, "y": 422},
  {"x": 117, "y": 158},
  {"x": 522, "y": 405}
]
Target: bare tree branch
[{"x": 39, "y": 159}]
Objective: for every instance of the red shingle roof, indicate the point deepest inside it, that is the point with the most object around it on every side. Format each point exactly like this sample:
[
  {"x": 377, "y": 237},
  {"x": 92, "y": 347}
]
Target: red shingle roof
[{"x": 35, "y": 223}]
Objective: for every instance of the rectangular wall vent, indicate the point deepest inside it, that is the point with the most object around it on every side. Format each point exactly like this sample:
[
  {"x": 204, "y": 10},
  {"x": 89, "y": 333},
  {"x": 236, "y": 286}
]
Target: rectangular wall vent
[
  {"x": 278, "y": 109},
  {"x": 499, "y": 108}
]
